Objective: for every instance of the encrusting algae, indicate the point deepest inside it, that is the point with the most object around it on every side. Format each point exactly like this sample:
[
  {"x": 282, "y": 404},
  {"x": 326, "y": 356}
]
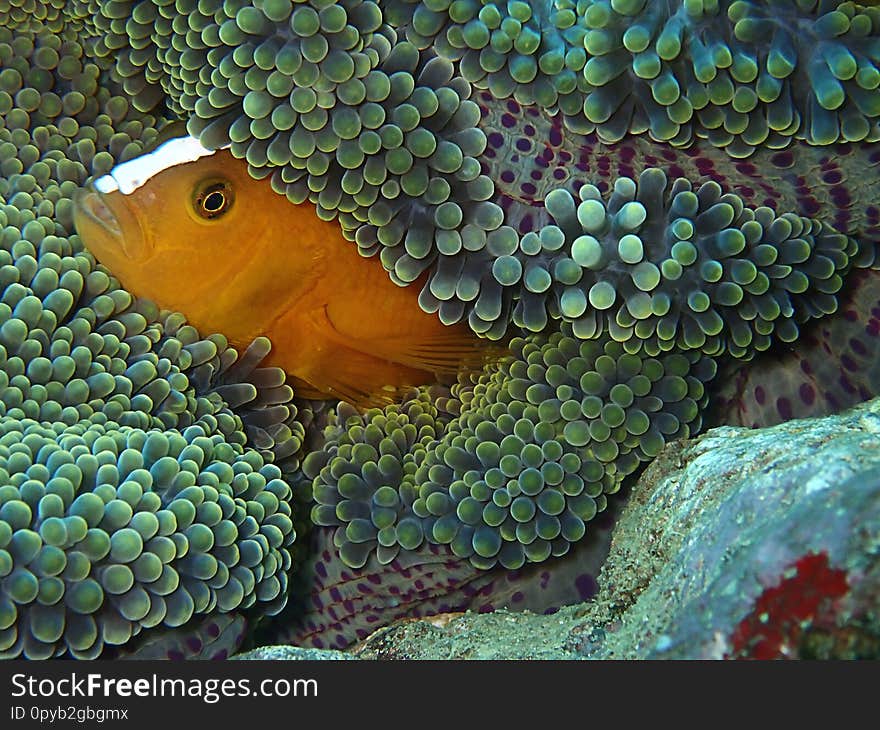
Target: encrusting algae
[{"x": 170, "y": 225}]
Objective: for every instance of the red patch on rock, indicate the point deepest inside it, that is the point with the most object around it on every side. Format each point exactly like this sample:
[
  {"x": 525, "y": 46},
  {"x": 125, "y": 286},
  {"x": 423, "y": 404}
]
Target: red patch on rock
[{"x": 782, "y": 613}]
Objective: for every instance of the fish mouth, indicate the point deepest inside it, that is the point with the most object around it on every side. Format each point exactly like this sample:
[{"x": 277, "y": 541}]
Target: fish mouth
[
  {"x": 88, "y": 202},
  {"x": 107, "y": 229}
]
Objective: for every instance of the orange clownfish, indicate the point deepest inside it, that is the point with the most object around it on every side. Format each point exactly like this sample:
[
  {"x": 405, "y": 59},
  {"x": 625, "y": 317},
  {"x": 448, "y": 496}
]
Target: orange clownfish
[{"x": 190, "y": 229}]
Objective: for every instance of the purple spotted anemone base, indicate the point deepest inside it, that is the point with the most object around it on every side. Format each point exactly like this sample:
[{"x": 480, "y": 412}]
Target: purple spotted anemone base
[
  {"x": 530, "y": 153},
  {"x": 334, "y": 606},
  {"x": 834, "y": 365}
]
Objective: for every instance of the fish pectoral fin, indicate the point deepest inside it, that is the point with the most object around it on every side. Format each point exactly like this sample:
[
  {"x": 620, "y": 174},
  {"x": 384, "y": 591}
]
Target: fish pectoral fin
[
  {"x": 440, "y": 352},
  {"x": 453, "y": 353},
  {"x": 356, "y": 378},
  {"x": 304, "y": 389}
]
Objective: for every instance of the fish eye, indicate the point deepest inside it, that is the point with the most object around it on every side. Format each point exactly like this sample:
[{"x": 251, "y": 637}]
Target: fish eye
[{"x": 213, "y": 200}]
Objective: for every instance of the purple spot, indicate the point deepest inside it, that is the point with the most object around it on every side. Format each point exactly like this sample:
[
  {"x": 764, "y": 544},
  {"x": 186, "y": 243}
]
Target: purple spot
[
  {"x": 555, "y": 137},
  {"x": 175, "y": 655},
  {"x": 807, "y": 393},
  {"x": 858, "y": 347},
  {"x": 335, "y": 594},
  {"x": 832, "y": 177},
  {"x": 535, "y": 174},
  {"x": 559, "y": 174},
  {"x": 529, "y": 130},
  {"x": 783, "y": 406},
  {"x": 810, "y": 206},
  {"x": 486, "y": 608},
  {"x": 507, "y": 176},
  {"x": 320, "y": 569},
  {"x": 495, "y": 139},
  {"x": 507, "y": 121},
  {"x": 760, "y": 395},
  {"x": 213, "y": 631},
  {"x": 526, "y": 224},
  {"x": 513, "y": 106},
  {"x": 586, "y": 586},
  {"x": 528, "y": 188},
  {"x": 523, "y": 145},
  {"x": 517, "y": 597},
  {"x": 704, "y": 166},
  {"x": 194, "y": 643},
  {"x": 849, "y": 363},
  {"x": 783, "y": 160},
  {"x": 841, "y": 197}
]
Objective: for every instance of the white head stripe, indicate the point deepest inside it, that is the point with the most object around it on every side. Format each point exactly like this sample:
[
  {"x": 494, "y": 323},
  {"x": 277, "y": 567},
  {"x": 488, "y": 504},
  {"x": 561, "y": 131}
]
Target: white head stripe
[{"x": 129, "y": 176}]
